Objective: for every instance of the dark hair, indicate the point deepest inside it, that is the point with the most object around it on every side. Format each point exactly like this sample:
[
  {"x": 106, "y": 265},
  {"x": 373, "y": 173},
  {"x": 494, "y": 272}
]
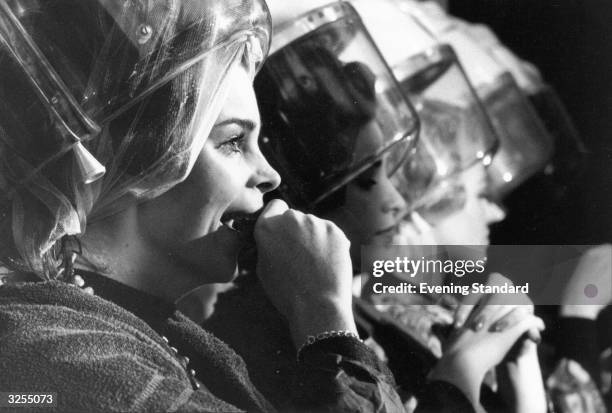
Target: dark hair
[{"x": 312, "y": 107}]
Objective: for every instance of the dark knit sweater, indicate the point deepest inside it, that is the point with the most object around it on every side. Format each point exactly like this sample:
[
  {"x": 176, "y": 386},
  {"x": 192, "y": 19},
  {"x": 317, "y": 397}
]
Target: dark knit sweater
[
  {"x": 98, "y": 356},
  {"x": 246, "y": 320},
  {"x": 106, "y": 353}
]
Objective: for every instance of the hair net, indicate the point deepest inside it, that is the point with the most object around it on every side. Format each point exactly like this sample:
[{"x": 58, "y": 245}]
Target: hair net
[
  {"x": 456, "y": 131},
  {"x": 139, "y": 83},
  {"x": 525, "y": 143},
  {"x": 569, "y": 149},
  {"x": 324, "y": 87}
]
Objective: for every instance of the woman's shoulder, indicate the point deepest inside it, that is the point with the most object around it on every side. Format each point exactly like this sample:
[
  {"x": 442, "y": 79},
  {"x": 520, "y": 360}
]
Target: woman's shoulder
[
  {"x": 56, "y": 338},
  {"x": 49, "y": 318},
  {"x": 57, "y": 305},
  {"x": 53, "y": 322}
]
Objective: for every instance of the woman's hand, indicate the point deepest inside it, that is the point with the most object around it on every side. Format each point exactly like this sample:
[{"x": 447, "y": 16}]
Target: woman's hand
[
  {"x": 470, "y": 354},
  {"x": 503, "y": 310},
  {"x": 305, "y": 268},
  {"x": 487, "y": 326},
  {"x": 589, "y": 290},
  {"x": 520, "y": 379}
]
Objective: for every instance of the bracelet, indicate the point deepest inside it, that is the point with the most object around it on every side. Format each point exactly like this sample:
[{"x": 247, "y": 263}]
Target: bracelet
[{"x": 310, "y": 340}]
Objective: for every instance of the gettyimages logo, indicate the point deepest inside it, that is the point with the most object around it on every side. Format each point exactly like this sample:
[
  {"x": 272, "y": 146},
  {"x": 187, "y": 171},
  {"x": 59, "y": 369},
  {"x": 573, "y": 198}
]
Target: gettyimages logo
[
  {"x": 549, "y": 274},
  {"x": 412, "y": 267}
]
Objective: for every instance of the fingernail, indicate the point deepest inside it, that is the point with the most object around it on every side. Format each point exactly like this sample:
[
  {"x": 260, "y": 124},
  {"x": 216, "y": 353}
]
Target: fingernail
[
  {"x": 536, "y": 338},
  {"x": 499, "y": 327},
  {"x": 478, "y": 323},
  {"x": 458, "y": 323},
  {"x": 448, "y": 301}
]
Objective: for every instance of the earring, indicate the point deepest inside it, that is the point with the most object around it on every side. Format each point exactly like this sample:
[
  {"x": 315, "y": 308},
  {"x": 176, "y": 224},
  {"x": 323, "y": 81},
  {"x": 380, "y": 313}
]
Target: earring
[{"x": 71, "y": 247}]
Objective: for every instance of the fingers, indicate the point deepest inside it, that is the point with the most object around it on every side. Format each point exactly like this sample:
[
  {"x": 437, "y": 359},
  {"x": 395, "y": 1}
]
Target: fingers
[
  {"x": 530, "y": 326},
  {"x": 464, "y": 309},
  {"x": 512, "y": 317},
  {"x": 448, "y": 301},
  {"x": 280, "y": 227},
  {"x": 440, "y": 314},
  {"x": 532, "y": 337},
  {"x": 273, "y": 208},
  {"x": 493, "y": 308},
  {"x": 273, "y": 213},
  {"x": 523, "y": 348},
  {"x": 484, "y": 315}
]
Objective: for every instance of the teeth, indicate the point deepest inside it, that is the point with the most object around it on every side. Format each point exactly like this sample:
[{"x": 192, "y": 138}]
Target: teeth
[
  {"x": 240, "y": 222},
  {"x": 228, "y": 223}
]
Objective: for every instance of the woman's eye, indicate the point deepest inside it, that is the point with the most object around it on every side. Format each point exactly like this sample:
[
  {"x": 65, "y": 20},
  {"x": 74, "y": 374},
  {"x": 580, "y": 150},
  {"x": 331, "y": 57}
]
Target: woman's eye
[
  {"x": 367, "y": 179},
  {"x": 365, "y": 183},
  {"x": 234, "y": 144}
]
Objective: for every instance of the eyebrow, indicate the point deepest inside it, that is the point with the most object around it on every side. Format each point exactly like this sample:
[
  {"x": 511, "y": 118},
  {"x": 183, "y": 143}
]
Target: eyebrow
[{"x": 244, "y": 123}]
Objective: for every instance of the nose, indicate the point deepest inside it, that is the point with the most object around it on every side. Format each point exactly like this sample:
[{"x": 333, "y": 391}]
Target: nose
[
  {"x": 493, "y": 212},
  {"x": 395, "y": 203},
  {"x": 265, "y": 178}
]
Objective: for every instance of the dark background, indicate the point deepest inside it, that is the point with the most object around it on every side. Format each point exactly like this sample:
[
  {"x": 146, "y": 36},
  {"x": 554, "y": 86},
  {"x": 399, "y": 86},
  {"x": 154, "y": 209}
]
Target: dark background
[{"x": 570, "y": 41}]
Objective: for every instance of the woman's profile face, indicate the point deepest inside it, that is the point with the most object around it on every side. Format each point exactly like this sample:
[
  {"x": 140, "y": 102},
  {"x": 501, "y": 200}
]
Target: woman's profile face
[
  {"x": 470, "y": 224},
  {"x": 372, "y": 208},
  {"x": 228, "y": 180}
]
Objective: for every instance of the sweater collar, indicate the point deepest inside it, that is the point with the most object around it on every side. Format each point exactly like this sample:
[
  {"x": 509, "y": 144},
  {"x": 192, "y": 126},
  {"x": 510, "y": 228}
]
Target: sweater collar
[{"x": 153, "y": 310}]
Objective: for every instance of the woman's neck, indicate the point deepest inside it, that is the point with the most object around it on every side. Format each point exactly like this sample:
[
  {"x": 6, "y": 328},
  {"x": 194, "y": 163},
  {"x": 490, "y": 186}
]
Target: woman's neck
[{"x": 116, "y": 247}]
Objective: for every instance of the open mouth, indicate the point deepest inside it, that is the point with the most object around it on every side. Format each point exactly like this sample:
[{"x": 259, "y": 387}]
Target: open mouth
[{"x": 241, "y": 222}]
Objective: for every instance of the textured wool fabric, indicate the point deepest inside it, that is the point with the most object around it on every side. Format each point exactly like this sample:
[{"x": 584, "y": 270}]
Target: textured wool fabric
[
  {"x": 246, "y": 320},
  {"x": 99, "y": 357},
  {"x": 338, "y": 372}
]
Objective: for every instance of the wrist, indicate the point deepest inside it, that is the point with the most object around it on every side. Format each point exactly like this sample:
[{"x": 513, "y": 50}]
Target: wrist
[
  {"x": 457, "y": 370},
  {"x": 322, "y": 340},
  {"x": 317, "y": 317}
]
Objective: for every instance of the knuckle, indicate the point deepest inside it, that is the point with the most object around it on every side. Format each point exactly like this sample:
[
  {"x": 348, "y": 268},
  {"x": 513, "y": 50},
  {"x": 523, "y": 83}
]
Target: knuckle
[
  {"x": 292, "y": 215},
  {"x": 463, "y": 311},
  {"x": 333, "y": 228},
  {"x": 344, "y": 241},
  {"x": 314, "y": 221}
]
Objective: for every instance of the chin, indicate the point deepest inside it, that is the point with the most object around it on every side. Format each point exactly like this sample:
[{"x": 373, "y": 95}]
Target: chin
[
  {"x": 223, "y": 269},
  {"x": 209, "y": 260}
]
